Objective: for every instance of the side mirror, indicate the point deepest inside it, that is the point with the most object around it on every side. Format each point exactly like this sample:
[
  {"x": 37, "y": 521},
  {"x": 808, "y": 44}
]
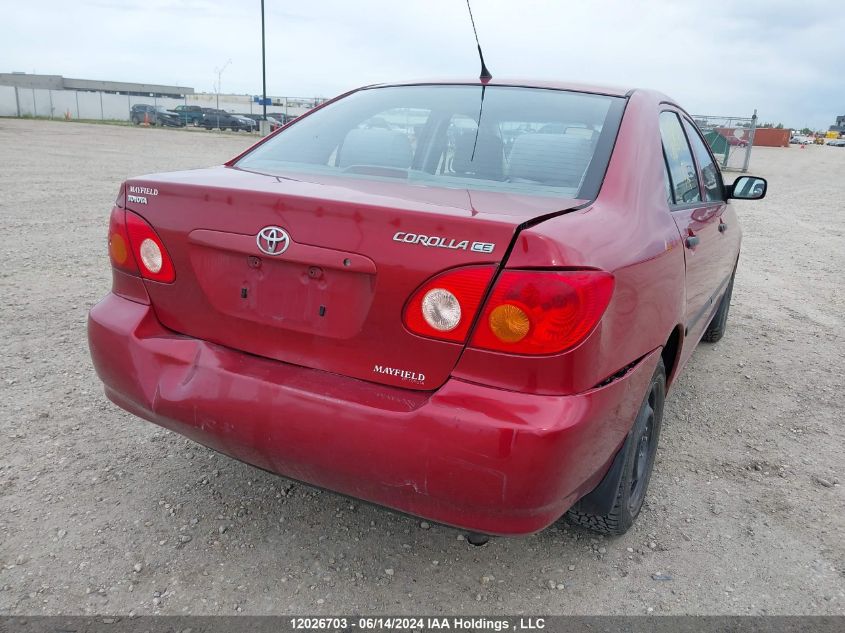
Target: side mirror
[{"x": 748, "y": 188}]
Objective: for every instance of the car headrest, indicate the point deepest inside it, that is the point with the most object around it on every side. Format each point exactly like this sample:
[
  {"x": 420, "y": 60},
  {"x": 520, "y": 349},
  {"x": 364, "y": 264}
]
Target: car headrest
[
  {"x": 375, "y": 146},
  {"x": 551, "y": 159},
  {"x": 488, "y": 160}
]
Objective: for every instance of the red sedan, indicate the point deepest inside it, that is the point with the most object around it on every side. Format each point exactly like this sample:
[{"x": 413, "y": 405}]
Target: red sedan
[{"x": 463, "y": 301}]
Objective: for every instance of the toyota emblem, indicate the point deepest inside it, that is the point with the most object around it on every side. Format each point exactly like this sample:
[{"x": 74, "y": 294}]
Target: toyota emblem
[{"x": 272, "y": 240}]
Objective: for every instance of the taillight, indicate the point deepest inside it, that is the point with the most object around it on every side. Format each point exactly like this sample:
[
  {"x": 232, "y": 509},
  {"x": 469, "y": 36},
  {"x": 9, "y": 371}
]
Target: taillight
[
  {"x": 542, "y": 312},
  {"x": 134, "y": 247},
  {"x": 444, "y": 306},
  {"x": 119, "y": 251},
  {"x": 150, "y": 254}
]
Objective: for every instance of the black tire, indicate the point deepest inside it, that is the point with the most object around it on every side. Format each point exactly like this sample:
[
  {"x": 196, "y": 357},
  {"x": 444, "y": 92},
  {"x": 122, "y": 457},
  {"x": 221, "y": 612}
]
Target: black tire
[
  {"x": 719, "y": 323},
  {"x": 638, "y": 453},
  {"x": 136, "y": 120}
]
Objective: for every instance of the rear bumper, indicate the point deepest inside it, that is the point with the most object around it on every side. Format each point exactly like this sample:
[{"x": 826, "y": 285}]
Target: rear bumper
[{"x": 475, "y": 457}]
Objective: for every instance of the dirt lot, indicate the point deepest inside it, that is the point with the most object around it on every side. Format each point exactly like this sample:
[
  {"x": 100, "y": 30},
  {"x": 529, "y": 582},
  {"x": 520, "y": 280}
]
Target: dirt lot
[{"x": 103, "y": 513}]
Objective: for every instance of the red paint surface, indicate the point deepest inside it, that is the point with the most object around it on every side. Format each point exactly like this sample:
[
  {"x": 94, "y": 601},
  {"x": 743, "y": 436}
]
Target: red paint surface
[{"x": 472, "y": 456}]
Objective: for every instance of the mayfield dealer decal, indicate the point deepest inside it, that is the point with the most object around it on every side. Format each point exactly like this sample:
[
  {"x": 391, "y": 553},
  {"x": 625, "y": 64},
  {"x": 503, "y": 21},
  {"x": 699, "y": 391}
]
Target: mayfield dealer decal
[
  {"x": 403, "y": 374},
  {"x": 138, "y": 194}
]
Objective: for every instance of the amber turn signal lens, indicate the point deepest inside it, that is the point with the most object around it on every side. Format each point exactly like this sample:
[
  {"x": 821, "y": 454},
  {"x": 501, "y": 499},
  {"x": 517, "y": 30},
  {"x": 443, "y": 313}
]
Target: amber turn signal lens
[
  {"x": 509, "y": 323},
  {"x": 117, "y": 247}
]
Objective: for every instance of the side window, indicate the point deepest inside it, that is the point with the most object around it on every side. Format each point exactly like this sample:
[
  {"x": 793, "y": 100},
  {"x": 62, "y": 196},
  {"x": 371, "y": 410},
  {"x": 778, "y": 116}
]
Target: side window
[
  {"x": 670, "y": 199},
  {"x": 710, "y": 175},
  {"x": 679, "y": 159}
]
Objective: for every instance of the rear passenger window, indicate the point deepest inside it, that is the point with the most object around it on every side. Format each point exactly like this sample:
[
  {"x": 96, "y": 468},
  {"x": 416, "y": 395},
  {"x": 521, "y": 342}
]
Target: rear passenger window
[
  {"x": 679, "y": 160},
  {"x": 710, "y": 175}
]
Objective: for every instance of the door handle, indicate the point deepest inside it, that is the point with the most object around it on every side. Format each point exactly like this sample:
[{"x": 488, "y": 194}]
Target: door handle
[
  {"x": 722, "y": 227},
  {"x": 692, "y": 241}
]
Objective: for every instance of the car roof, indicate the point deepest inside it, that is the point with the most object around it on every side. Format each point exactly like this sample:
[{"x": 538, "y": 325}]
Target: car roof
[{"x": 613, "y": 91}]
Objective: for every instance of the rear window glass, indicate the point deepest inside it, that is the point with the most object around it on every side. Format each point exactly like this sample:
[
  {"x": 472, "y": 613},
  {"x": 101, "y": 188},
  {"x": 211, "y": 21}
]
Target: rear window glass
[{"x": 520, "y": 140}]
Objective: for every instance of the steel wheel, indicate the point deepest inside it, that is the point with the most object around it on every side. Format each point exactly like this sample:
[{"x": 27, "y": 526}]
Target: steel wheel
[
  {"x": 643, "y": 458},
  {"x": 614, "y": 505}
]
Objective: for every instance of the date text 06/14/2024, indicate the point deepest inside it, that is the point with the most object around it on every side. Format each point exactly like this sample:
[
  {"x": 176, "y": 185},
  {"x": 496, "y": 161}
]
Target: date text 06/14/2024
[{"x": 456, "y": 623}]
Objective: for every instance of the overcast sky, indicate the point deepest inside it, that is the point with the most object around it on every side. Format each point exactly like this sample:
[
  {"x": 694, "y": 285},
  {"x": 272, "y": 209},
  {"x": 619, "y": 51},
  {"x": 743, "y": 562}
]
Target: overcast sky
[{"x": 723, "y": 57}]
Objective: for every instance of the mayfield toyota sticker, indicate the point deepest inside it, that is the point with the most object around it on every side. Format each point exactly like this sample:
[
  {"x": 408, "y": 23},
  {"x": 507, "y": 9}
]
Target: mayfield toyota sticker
[{"x": 138, "y": 194}]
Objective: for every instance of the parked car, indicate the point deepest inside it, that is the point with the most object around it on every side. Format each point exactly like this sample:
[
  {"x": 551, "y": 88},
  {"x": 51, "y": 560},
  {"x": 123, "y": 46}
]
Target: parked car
[
  {"x": 410, "y": 317},
  {"x": 248, "y": 124},
  {"x": 837, "y": 143},
  {"x": 154, "y": 115},
  {"x": 213, "y": 118},
  {"x": 189, "y": 114},
  {"x": 274, "y": 120},
  {"x": 801, "y": 140}
]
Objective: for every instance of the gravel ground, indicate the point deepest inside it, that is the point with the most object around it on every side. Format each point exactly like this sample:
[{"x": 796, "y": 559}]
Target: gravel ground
[{"x": 103, "y": 513}]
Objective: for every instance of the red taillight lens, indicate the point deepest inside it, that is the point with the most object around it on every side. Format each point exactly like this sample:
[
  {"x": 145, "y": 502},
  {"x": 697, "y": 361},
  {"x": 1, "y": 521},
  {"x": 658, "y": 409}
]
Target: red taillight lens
[
  {"x": 542, "y": 312},
  {"x": 147, "y": 249},
  {"x": 444, "y": 306},
  {"x": 120, "y": 252}
]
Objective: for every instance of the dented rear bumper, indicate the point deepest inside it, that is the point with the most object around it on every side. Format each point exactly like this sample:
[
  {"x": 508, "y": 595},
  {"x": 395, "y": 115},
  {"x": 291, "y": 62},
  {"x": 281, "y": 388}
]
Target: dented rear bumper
[{"x": 467, "y": 455}]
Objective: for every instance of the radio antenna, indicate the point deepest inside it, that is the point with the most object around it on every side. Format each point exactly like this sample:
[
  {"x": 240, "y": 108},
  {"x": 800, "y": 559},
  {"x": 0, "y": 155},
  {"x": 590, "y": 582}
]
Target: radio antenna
[{"x": 485, "y": 74}]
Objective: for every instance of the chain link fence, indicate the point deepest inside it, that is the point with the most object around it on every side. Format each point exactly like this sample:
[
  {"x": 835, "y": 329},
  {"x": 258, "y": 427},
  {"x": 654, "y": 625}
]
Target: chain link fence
[
  {"x": 730, "y": 138},
  {"x": 17, "y": 101}
]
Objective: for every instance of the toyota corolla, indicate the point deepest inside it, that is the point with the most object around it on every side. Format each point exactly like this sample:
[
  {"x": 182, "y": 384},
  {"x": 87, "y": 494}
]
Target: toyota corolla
[{"x": 463, "y": 301}]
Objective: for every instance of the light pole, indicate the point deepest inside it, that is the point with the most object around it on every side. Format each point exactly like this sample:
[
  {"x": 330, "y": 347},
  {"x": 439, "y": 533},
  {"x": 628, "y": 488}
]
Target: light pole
[
  {"x": 219, "y": 72},
  {"x": 263, "y": 67}
]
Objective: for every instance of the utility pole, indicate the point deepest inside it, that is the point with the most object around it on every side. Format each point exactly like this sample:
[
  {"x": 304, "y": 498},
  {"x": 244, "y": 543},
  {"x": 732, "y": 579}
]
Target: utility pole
[
  {"x": 263, "y": 67},
  {"x": 219, "y": 72}
]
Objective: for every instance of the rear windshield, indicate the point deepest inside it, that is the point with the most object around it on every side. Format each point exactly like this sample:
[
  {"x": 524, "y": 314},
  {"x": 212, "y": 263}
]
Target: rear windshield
[{"x": 520, "y": 140}]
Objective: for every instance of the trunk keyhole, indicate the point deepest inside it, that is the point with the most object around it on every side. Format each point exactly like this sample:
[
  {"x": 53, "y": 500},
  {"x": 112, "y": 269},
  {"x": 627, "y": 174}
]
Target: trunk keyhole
[
  {"x": 322, "y": 310},
  {"x": 243, "y": 293}
]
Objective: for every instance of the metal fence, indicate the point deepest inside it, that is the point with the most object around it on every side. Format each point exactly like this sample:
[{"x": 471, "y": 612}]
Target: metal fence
[
  {"x": 730, "y": 138},
  {"x": 107, "y": 106}
]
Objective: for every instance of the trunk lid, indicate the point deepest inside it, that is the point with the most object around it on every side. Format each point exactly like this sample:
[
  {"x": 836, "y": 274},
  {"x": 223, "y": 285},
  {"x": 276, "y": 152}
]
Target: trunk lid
[{"x": 333, "y": 299}]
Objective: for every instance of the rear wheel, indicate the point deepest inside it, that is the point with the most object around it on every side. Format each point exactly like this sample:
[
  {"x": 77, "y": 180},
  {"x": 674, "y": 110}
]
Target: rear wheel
[
  {"x": 637, "y": 461},
  {"x": 716, "y": 330}
]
